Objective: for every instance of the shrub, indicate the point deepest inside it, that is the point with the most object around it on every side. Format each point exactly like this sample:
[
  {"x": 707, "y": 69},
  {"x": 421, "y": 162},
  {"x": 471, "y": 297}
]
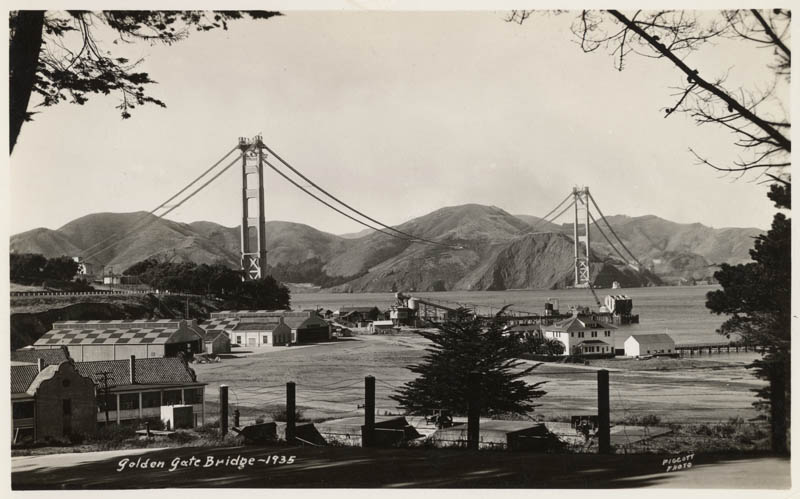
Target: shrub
[
  {"x": 280, "y": 414},
  {"x": 182, "y": 437},
  {"x": 113, "y": 433}
]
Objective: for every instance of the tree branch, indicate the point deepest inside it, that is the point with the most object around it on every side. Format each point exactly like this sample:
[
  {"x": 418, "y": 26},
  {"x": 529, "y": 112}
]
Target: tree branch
[{"x": 733, "y": 104}]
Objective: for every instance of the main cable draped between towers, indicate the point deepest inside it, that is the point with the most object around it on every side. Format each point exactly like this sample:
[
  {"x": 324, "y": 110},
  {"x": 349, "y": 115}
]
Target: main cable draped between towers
[
  {"x": 413, "y": 239},
  {"x": 544, "y": 218},
  {"x": 173, "y": 207},
  {"x": 331, "y": 196},
  {"x": 602, "y": 232},
  {"x": 599, "y": 212},
  {"x": 151, "y": 212}
]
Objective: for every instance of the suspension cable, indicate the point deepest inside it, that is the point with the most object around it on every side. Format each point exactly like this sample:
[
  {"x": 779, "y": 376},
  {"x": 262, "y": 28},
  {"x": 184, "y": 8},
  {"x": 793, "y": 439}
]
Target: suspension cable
[
  {"x": 350, "y": 207},
  {"x": 159, "y": 217},
  {"x": 147, "y": 215},
  {"x": 541, "y": 220},
  {"x": 287, "y": 178},
  {"x": 614, "y": 233},
  {"x": 600, "y": 229},
  {"x": 562, "y": 212}
]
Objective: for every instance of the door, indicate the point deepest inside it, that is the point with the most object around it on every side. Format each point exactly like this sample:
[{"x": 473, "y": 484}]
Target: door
[{"x": 66, "y": 423}]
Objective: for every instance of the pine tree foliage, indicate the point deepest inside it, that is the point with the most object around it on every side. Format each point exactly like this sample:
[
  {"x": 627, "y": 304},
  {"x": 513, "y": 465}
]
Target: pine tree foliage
[
  {"x": 757, "y": 298},
  {"x": 463, "y": 345}
]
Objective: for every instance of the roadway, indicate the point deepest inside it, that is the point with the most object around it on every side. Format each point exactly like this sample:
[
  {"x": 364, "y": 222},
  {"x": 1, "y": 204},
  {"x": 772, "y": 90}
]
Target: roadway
[{"x": 338, "y": 467}]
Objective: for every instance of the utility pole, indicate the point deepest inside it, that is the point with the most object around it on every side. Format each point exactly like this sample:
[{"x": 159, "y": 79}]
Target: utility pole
[{"x": 106, "y": 376}]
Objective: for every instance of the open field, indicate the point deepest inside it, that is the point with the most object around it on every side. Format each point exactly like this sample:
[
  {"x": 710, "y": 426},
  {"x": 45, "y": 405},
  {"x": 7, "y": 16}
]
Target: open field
[{"x": 330, "y": 384}]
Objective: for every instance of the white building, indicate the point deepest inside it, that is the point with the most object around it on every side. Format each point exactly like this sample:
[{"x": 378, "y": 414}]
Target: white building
[
  {"x": 649, "y": 344},
  {"x": 269, "y": 327},
  {"x": 583, "y": 335}
]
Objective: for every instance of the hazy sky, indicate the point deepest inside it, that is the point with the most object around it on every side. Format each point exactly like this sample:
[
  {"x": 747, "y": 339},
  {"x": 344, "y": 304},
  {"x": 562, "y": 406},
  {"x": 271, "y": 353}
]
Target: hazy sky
[{"x": 399, "y": 114}]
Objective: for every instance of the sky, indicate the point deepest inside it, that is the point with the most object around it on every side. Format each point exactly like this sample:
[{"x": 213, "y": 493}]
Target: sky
[{"x": 397, "y": 113}]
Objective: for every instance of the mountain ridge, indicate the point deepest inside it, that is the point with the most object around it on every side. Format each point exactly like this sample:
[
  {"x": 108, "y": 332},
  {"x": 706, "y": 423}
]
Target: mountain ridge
[{"x": 482, "y": 247}]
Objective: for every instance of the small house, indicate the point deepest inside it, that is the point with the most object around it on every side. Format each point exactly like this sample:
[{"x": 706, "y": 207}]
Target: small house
[
  {"x": 51, "y": 402},
  {"x": 649, "y": 344},
  {"x": 216, "y": 341}
]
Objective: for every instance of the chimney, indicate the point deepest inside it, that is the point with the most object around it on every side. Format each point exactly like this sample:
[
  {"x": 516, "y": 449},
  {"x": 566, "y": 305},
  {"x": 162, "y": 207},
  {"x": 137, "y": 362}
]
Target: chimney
[
  {"x": 132, "y": 370},
  {"x": 40, "y": 364}
]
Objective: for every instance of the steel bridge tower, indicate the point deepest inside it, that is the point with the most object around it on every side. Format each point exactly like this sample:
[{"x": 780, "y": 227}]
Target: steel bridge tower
[
  {"x": 253, "y": 234},
  {"x": 581, "y": 237}
]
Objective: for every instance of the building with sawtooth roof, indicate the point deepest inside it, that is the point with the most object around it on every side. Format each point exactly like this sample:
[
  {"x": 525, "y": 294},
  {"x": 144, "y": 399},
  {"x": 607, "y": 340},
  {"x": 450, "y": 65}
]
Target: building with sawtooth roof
[{"x": 119, "y": 339}]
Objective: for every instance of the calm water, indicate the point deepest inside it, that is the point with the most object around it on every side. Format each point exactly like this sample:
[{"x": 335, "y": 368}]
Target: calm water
[{"x": 678, "y": 311}]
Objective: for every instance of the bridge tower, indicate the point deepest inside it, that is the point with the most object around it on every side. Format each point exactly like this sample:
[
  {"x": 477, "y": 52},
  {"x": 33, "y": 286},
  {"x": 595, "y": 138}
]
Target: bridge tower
[
  {"x": 581, "y": 237},
  {"x": 253, "y": 234}
]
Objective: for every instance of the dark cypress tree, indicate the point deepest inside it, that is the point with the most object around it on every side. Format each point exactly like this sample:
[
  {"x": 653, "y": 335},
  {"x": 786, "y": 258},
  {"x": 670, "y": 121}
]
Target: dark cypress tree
[
  {"x": 465, "y": 345},
  {"x": 757, "y": 298}
]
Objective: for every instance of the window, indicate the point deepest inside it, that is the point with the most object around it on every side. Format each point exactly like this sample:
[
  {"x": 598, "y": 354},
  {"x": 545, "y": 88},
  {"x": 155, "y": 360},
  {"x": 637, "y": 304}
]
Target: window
[
  {"x": 571, "y": 335},
  {"x": 608, "y": 333},
  {"x": 66, "y": 406},
  {"x": 129, "y": 401},
  {"x": 110, "y": 400},
  {"x": 265, "y": 339},
  {"x": 172, "y": 397},
  {"x": 151, "y": 399},
  {"x": 193, "y": 395},
  {"x": 594, "y": 334},
  {"x": 580, "y": 334},
  {"x": 239, "y": 339},
  {"x": 23, "y": 410}
]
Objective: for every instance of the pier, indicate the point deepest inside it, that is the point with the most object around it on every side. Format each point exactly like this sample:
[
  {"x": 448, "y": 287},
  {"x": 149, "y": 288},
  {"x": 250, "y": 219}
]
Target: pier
[{"x": 715, "y": 347}]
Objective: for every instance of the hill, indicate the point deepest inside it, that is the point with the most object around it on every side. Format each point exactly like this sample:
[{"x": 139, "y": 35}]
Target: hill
[{"x": 480, "y": 247}]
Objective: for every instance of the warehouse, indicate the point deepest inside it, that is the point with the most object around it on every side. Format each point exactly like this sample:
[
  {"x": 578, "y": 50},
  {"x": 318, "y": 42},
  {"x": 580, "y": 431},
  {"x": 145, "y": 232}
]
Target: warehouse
[
  {"x": 112, "y": 340},
  {"x": 649, "y": 344},
  {"x": 270, "y": 327}
]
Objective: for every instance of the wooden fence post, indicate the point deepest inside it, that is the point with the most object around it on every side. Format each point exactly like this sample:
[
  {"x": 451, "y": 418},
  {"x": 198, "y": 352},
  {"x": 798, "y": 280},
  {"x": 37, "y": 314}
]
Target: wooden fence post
[
  {"x": 291, "y": 422},
  {"x": 603, "y": 413}
]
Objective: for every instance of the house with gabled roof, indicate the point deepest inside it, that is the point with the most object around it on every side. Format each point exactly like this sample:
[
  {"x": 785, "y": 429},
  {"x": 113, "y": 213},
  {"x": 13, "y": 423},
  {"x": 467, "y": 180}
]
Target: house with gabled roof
[
  {"x": 270, "y": 327},
  {"x": 649, "y": 344},
  {"x": 583, "y": 335},
  {"x": 52, "y": 401},
  {"x": 119, "y": 339}
]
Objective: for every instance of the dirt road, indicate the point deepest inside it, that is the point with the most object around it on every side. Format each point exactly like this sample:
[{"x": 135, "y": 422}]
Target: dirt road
[{"x": 355, "y": 467}]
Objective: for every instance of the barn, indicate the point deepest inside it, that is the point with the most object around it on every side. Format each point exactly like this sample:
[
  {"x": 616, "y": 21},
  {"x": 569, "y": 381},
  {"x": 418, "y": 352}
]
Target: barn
[
  {"x": 649, "y": 344},
  {"x": 119, "y": 339}
]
